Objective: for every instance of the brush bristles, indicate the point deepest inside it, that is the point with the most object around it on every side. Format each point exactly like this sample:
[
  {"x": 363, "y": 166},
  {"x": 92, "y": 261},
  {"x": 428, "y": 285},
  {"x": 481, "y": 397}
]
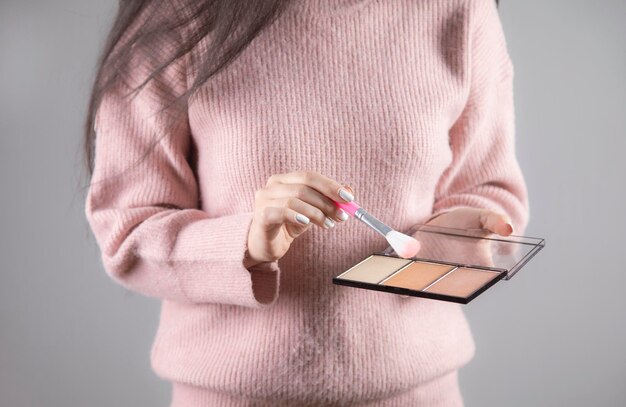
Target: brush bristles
[{"x": 405, "y": 246}]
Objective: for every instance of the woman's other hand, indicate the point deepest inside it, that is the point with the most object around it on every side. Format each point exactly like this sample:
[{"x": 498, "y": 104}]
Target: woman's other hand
[{"x": 287, "y": 206}]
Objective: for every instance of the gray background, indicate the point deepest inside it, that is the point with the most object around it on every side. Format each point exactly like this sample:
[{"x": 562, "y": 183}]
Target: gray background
[{"x": 554, "y": 335}]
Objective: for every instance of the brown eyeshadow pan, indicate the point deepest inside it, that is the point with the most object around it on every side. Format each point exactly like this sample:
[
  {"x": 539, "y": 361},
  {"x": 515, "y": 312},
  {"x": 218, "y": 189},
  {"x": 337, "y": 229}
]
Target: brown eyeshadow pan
[
  {"x": 417, "y": 275},
  {"x": 462, "y": 282}
]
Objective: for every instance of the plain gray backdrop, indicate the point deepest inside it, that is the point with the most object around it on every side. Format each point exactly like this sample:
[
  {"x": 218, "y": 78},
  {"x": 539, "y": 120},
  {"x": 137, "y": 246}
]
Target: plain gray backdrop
[{"x": 554, "y": 335}]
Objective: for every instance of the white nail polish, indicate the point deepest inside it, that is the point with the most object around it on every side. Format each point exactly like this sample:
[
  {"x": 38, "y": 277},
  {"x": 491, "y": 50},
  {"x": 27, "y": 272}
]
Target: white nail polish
[
  {"x": 302, "y": 219},
  {"x": 329, "y": 223},
  {"x": 341, "y": 214},
  {"x": 346, "y": 195}
]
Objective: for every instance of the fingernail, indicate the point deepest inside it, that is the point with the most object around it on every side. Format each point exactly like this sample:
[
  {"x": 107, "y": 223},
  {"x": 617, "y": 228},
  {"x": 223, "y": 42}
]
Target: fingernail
[
  {"x": 341, "y": 214},
  {"x": 329, "y": 223},
  {"x": 302, "y": 219},
  {"x": 347, "y": 196},
  {"x": 510, "y": 227}
]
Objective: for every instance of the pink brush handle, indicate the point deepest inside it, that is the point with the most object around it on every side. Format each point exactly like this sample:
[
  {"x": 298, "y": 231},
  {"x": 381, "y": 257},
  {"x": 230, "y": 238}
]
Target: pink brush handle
[{"x": 349, "y": 207}]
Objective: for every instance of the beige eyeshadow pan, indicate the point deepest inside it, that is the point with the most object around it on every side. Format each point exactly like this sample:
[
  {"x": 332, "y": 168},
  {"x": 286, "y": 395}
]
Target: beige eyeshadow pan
[
  {"x": 417, "y": 276},
  {"x": 462, "y": 282},
  {"x": 373, "y": 269}
]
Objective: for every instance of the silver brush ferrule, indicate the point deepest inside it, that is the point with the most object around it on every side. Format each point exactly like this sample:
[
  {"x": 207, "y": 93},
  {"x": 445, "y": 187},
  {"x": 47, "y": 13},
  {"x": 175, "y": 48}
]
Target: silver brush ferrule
[{"x": 362, "y": 215}]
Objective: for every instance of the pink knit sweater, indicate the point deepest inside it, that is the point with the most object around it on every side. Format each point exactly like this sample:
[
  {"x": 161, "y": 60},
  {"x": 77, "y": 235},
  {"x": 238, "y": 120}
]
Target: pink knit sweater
[{"x": 408, "y": 102}]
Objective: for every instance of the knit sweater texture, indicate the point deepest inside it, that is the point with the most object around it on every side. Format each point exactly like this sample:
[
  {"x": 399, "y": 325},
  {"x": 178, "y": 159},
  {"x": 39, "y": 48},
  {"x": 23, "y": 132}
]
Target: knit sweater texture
[{"x": 410, "y": 102}]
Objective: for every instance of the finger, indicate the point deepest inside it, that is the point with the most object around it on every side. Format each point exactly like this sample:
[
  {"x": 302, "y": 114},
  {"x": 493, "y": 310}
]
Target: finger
[
  {"x": 308, "y": 195},
  {"x": 273, "y": 217},
  {"x": 314, "y": 214},
  {"x": 496, "y": 222},
  {"x": 349, "y": 188},
  {"x": 326, "y": 186}
]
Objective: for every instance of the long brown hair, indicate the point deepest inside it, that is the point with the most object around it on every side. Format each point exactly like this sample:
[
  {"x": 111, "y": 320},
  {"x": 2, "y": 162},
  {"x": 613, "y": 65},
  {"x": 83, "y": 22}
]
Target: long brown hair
[{"x": 233, "y": 24}]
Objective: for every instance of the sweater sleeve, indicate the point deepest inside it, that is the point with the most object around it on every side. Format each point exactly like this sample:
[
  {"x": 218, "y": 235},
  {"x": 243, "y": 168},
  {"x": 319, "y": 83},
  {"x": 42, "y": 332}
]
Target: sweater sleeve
[
  {"x": 484, "y": 172},
  {"x": 143, "y": 206}
]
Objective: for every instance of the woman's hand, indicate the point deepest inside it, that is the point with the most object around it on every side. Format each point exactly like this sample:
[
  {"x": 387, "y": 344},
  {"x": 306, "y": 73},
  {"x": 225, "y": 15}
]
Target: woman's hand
[
  {"x": 287, "y": 206},
  {"x": 474, "y": 218}
]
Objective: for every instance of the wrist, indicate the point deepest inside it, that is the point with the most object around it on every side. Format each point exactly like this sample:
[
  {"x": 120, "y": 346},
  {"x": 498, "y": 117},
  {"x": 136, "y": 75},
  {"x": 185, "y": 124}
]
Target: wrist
[{"x": 249, "y": 261}]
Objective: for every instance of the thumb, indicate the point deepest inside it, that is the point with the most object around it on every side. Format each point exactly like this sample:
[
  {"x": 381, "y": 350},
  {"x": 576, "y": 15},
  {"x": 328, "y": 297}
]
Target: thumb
[{"x": 496, "y": 222}]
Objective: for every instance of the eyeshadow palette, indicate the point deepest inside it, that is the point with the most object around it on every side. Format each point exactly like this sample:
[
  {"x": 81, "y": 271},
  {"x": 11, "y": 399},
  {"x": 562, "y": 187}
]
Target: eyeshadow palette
[{"x": 453, "y": 265}]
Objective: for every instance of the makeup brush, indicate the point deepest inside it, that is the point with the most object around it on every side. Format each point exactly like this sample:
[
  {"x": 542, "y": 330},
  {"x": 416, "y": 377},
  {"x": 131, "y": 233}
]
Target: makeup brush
[{"x": 404, "y": 245}]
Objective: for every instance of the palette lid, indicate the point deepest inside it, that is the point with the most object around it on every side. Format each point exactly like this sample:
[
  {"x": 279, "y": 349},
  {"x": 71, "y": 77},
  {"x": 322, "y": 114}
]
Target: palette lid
[{"x": 478, "y": 248}]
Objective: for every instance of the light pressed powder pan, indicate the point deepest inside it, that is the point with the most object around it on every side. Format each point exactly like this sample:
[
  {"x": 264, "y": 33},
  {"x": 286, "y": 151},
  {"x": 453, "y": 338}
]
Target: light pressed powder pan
[
  {"x": 453, "y": 265},
  {"x": 374, "y": 268}
]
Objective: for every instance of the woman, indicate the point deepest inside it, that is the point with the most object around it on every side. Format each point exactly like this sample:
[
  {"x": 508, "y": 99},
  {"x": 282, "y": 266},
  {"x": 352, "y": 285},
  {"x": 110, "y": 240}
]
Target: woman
[{"x": 220, "y": 205}]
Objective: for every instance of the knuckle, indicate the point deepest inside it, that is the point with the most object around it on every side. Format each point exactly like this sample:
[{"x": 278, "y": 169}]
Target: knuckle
[
  {"x": 305, "y": 175},
  {"x": 291, "y": 202},
  {"x": 300, "y": 192},
  {"x": 265, "y": 214},
  {"x": 284, "y": 212}
]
